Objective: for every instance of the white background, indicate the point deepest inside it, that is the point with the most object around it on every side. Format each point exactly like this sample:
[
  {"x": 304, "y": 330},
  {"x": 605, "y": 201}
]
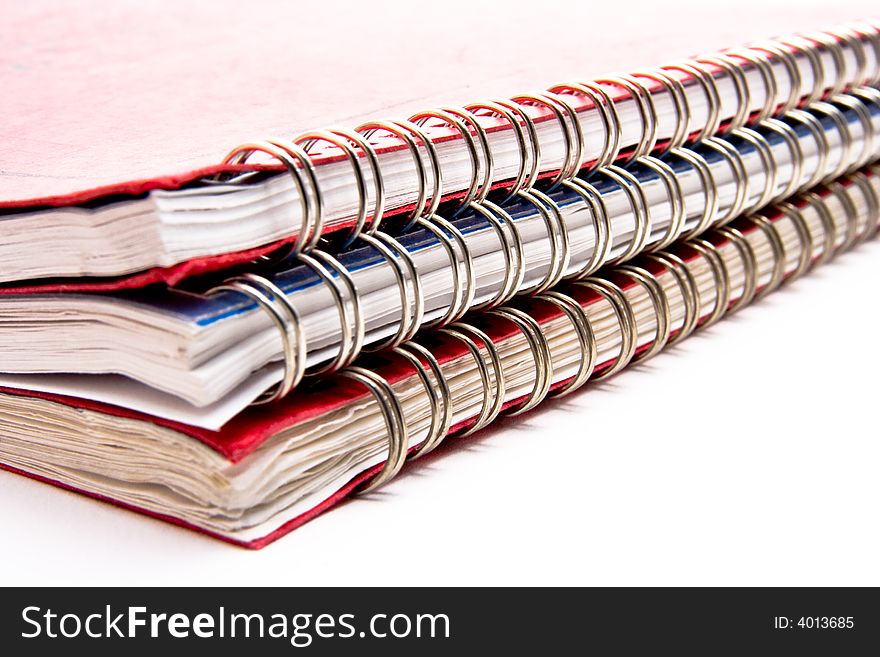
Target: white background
[{"x": 747, "y": 454}]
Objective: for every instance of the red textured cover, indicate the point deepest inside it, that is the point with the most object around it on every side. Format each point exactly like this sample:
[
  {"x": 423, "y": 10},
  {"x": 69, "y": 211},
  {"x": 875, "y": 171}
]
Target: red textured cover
[
  {"x": 104, "y": 97},
  {"x": 107, "y": 99}
]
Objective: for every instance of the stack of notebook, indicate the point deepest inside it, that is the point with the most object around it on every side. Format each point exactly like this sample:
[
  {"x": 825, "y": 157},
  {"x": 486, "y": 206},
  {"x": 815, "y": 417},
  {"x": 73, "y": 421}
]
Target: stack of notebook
[{"x": 239, "y": 348}]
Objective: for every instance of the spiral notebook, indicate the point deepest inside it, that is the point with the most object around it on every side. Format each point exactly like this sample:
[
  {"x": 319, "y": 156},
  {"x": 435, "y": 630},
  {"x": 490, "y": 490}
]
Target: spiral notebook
[
  {"x": 274, "y": 467},
  {"x": 73, "y": 221},
  {"x": 200, "y": 358},
  {"x": 238, "y": 346}
]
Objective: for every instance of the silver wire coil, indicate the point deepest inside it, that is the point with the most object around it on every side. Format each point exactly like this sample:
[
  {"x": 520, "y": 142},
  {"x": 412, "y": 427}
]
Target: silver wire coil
[
  {"x": 747, "y": 199},
  {"x": 680, "y": 263},
  {"x": 568, "y": 105}
]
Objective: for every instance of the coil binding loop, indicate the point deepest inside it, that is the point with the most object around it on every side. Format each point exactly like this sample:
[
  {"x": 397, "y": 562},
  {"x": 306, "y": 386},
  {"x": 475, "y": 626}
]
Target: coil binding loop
[{"x": 395, "y": 422}]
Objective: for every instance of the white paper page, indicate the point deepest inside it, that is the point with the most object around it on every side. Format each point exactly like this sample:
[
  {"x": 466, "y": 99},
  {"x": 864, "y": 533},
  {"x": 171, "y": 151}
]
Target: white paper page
[{"x": 127, "y": 393}]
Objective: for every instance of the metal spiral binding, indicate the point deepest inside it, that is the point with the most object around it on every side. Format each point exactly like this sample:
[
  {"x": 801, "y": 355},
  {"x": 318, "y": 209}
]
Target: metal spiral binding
[
  {"x": 834, "y": 113},
  {"x": 741, "y": 177},
  {"x": 852, "y": 41},
  {"x": 676, "y": 198},
  {"x": 818, "y": 133},
  {"x": 296, "y": 155},
  {"x": 488, "y": 165},
  {"x": 395, "y": 422},
  {"x": 345, "y": 295},
  {"x": 761, "y": 61},
  {"x": 688, "y": 285},
  {"x": 540, "y": 351},
  {"x": 710, "y": 189},
  {"x": 803, "y": 48},
  {"x": 870, "y": 32},
  {"x": 493, "y": 400},
  {"x": 706, "y": 82},
  {"x": 406, "y": 131},
  {"x": 831, "y": 45},
  {"x": 804, "y": 237},
  {"x": 849, "y": 101},
  {"x": 768, "y": 163},
  {"x": 630, "y": 186},
  {"x": 789, "y": 136},
  {"x": 294, "y": 159},
  {"x": 722, "y": 277},
  {"x": 508, "y": 235},
  {"x": 348, "y": 305},
  {"x": 625, "y": 318},
  {"x": 749, "y": 262},
  {"x": 829, "y": 228},
  {"x": 456, "y": 122},
  {"x": 647, "y": 110},
  {"x": 407, "y": 279},
  {"x": 493, "y": 386},
  {"x": 530, "y": 154},
  {"x": 778, "y": 273},
  {"x": 676, "y": 91},
  {"x": 273, "y": 300},
  {"x": 556, "y": 231},
  {"x": 343, "y": 140},
  {"x": 740, "y": 85},
  {"x": 795, "y": 80},
  {"x": 871, "y": 195},
  {"x": 851, "y": 235},
  {"x": 461, "y": 261},
  {"x": 661, "y": 308},
  {"x": 608, "y": 114},
  {"x": 565, "y": 116},
  {"x": 601, "y": 225},
  {"x": 440, "y": 396},
  {"x": 461, "y": 266},
  {"x": 586, "y": 339}
]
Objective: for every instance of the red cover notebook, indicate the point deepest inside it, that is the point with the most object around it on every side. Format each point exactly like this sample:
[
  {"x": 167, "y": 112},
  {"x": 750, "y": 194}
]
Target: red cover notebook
[
  {"x": 275, "y": 467},
  {"x": 102, "y": 115}
]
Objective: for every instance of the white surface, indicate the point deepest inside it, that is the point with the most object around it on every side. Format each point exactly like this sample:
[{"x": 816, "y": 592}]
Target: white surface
[{"x": 745, "y": 455}]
